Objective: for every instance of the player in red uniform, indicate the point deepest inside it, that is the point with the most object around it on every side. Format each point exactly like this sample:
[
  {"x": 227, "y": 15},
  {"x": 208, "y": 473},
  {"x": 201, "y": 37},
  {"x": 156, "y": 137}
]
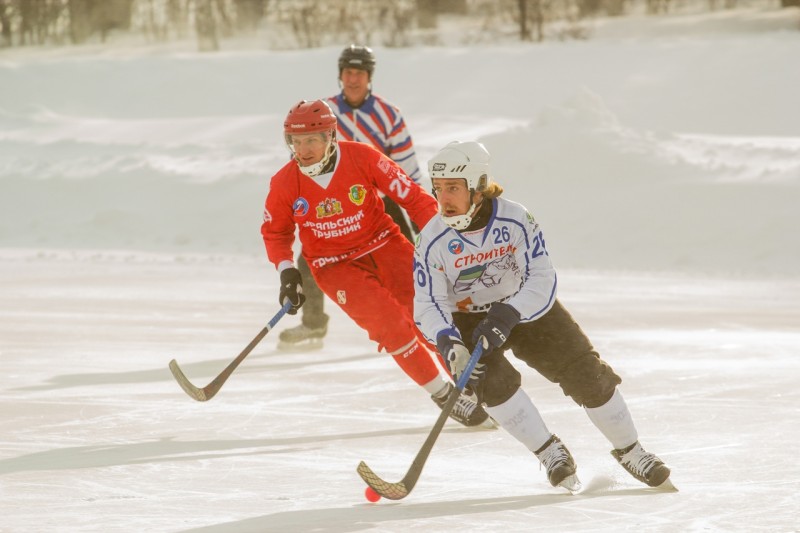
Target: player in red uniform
[
  {"x": 355, "y": 251},
  {"x": 362, "y": 116}
]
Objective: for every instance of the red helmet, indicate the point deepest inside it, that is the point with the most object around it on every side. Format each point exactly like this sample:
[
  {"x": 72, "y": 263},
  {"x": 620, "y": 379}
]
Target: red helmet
[{"x": 309, "y": 117}]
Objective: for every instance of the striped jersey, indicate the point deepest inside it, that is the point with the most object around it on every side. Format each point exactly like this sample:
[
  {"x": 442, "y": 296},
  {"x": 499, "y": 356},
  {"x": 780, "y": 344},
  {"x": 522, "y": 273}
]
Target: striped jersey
[
  {"x": 467, "y": 271},
  {"x": 343, "y": 217},
  {"x": 379, "y": 123}
]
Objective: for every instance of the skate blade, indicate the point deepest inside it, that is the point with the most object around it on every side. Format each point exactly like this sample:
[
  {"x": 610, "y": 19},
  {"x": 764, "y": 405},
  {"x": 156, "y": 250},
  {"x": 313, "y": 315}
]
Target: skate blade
[
  {"x": 667, "y": 486},
  {"x": 309, "y": 345},
  {"x": 571, "y": 483},
  {"x": 489, "y": 423}
]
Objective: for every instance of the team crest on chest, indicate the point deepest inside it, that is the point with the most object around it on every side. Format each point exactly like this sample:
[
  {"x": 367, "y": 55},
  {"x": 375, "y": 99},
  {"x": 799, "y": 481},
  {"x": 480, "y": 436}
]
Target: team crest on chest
[
  {"x": 300, "y": 207},
  {"x": 357, "y": 194},
  {"x": 329, "y": 207},
  {"x": 455, "y": 246}
]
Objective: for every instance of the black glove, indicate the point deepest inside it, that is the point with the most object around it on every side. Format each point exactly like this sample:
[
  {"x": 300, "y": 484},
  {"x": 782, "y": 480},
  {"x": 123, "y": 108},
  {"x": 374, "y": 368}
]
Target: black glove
[
  {"x": 456, "y": 356},
  {"x": 496, "y": 326},
  {"x": 291, "y": 288}
]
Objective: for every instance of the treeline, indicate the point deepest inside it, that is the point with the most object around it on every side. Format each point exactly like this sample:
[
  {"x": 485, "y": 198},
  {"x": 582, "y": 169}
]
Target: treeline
[{"x": 310, "y": 23}]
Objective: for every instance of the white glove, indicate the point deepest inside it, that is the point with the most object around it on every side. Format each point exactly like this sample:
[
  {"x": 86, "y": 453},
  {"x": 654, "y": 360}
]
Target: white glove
[{"x": 457, "y": 357}]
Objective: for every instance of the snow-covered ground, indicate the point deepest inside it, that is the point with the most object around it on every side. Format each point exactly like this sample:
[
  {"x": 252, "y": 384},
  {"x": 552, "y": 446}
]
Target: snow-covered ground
[{"x": 662, "y": 159}]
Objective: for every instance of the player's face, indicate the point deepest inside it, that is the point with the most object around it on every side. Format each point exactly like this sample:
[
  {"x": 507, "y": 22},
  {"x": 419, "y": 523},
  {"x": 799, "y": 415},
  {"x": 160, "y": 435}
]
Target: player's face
[
  {"x": 309, "y": 148},
  {"x": 355, "y": 85},
  {"x": 453, "y": 196}
]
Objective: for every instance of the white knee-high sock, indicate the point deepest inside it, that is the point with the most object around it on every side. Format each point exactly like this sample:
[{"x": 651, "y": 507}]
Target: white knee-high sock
[
  {"x": 614, "y": 420},
  {"x": 522, "y": 420},
  {"x": 437, "y": 386}
]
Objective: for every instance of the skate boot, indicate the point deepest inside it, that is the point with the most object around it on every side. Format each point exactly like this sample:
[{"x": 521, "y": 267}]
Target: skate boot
[
  {"x": 561, "y": 469},
  {"x": 642, "y": 465},
  {"x": 302, "y": 338},
  {"x": 466, "y": 411}
]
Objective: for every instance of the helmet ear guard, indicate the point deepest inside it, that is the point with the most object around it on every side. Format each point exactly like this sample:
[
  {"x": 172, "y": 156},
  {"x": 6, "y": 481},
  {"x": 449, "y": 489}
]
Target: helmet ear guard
[{"x": 483, "y": 182}]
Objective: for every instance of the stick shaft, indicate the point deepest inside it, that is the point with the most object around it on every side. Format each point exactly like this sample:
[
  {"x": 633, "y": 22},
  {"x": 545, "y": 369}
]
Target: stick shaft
[
  {"x": 401, "y": 489},
  {"x": 210, "y": 390}
]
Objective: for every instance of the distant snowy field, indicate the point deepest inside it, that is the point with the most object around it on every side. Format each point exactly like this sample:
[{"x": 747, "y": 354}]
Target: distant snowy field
[
  {"x": 662, "y": 158},
  {"x": 681, "y": 152}
]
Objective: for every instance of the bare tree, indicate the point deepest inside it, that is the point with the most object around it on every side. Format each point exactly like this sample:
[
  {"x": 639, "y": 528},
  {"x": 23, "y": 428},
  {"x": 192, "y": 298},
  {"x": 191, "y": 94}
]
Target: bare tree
[
  {"x": 249, "y": 14},
  {"x": 588, "y": 7},
  {"x": 657, "y": 7},
  {"x": 313, "y": 23},
  {"x": 88, "y": 17},
  {"x": 177, "y": 16},
  {"x": 426, "y": 14},
  {"x": 305, "y": 23},
  {"x": 5, "y": 24},
  {"x": 614, "y": 8},
  {"x": 398, "y": 19},
  {"x": 205, "y": 24}
]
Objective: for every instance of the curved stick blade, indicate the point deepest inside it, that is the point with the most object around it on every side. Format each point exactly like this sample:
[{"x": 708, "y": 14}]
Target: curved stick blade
[
  {"x": 401, "y": 489},
  {"x": 210, "y": 390},
  {"x": 183, "y": 381},
  {"x": 391, "y": 491}
]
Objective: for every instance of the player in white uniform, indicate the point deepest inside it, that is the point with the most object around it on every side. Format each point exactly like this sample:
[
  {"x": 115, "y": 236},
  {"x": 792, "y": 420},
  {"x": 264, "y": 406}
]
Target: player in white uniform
[{"x": 482, "y": 274}]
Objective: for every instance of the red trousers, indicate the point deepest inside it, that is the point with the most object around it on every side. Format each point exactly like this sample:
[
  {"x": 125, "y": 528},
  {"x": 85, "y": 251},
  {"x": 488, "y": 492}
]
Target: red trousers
[{"x": 377, "y": 292}]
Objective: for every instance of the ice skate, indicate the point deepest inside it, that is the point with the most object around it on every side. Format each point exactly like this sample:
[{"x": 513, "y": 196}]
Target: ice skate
[
  {"x": 301, "y": 338},
  {"x": 466, "y": 411},
  {"x": 561, "y": 468},
  {"x": 644, "y": 466}
]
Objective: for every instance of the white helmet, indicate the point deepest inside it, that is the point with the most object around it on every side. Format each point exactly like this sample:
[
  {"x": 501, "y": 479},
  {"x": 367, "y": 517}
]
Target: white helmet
[
  {"x": 468, "y": 160},
  {"x": 462, "y": 159}
]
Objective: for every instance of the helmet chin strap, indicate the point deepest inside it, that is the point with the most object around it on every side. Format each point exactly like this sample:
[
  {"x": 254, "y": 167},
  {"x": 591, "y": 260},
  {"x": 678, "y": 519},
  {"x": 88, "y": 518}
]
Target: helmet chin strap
[{"x": 461, "y": 222}]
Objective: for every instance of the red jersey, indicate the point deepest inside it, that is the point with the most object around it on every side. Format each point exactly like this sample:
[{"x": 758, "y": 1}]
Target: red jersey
[{"x": 346, "y": 219}]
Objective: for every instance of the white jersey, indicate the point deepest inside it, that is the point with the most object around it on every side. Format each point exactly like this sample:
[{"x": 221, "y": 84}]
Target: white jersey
[{"x": 467, "y": 271}]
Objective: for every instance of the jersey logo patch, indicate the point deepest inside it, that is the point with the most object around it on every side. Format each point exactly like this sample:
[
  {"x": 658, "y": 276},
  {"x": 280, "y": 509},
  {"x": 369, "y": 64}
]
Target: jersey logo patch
[
  {"x": 300, "y": 207},
  {"x": 267, "y": 216},
  {"x": 491, "y": 274},
  {"x": 455, "y": 246},
  {"x": 341, "y": 297},
  {"x": 357, "y": 194},
  {"x": 329, "y": 207}
]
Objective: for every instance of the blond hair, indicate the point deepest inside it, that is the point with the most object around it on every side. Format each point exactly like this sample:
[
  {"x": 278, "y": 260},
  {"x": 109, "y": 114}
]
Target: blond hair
[{"x": 493, "y": 190}]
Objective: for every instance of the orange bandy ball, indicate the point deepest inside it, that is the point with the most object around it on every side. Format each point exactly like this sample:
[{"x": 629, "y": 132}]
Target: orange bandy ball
[{"x": 372, "y": 495}]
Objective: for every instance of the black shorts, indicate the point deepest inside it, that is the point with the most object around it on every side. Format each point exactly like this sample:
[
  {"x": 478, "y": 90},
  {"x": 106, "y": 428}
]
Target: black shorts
[{"x": 556, "y": 347}]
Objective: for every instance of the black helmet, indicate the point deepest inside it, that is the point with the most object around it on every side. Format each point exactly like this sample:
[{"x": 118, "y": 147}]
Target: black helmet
[{"x": 355, "y": 56}]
